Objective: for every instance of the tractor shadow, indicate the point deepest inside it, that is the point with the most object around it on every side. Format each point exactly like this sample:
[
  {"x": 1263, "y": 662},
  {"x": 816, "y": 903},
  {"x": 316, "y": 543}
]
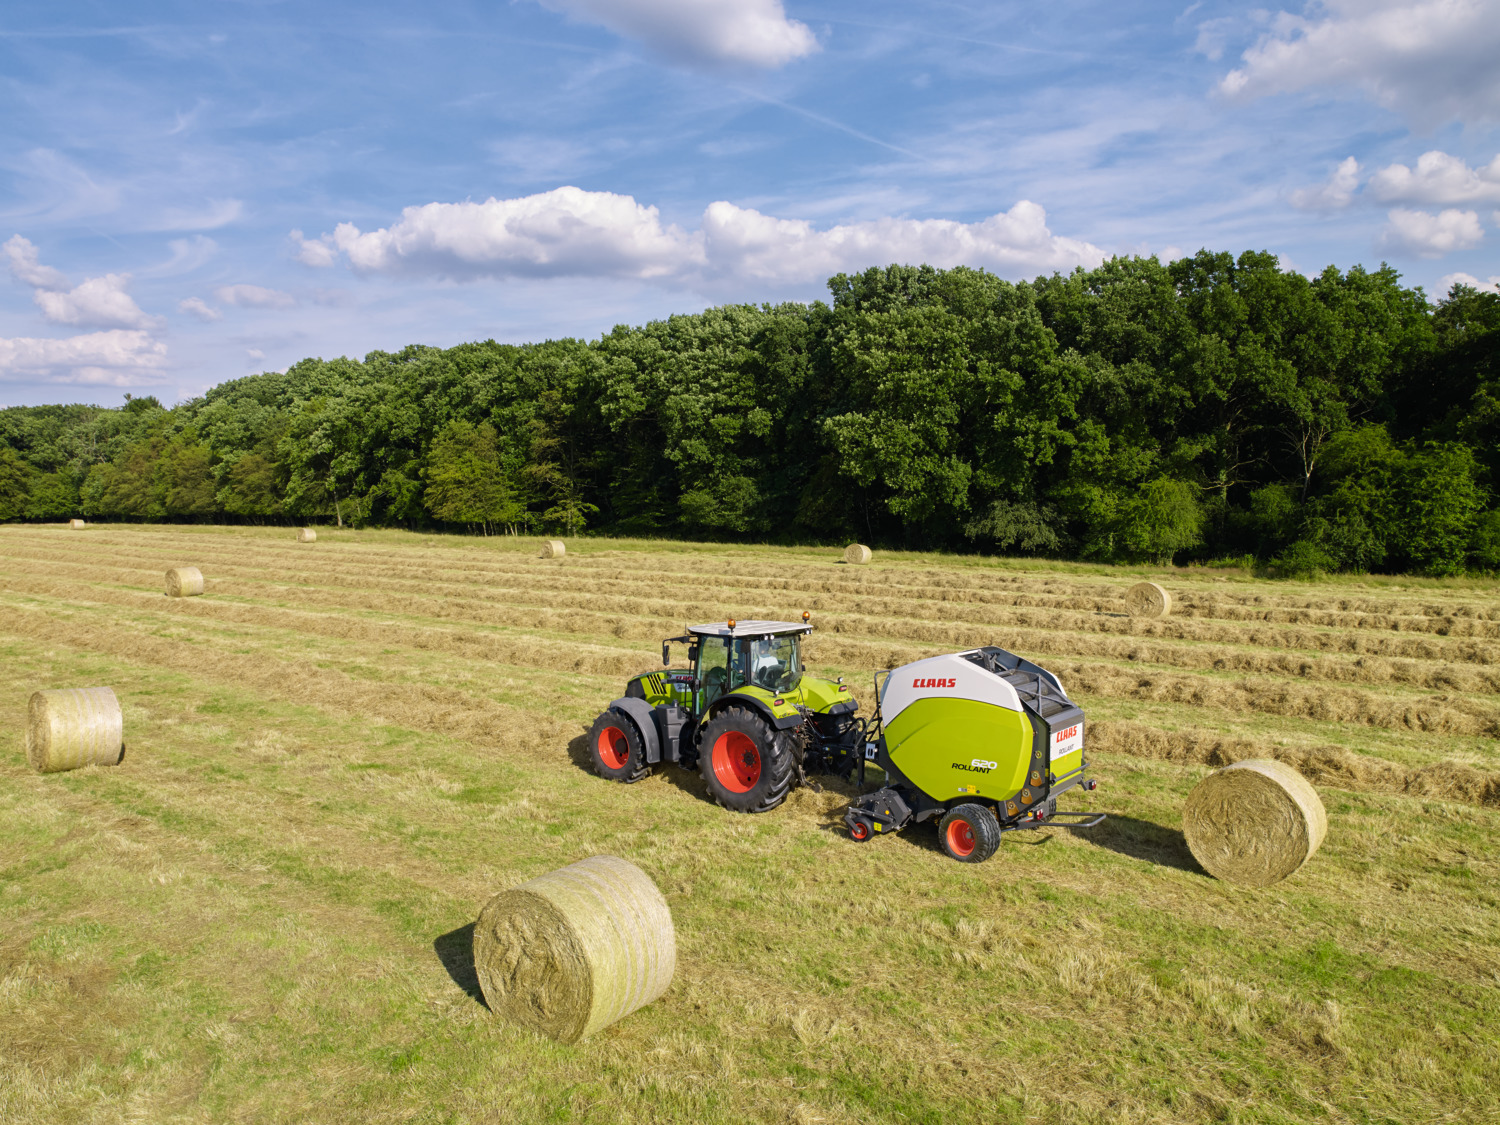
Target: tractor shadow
[
  {"x": 667, "y": 773},
  {"x": 1144, "y": 839},
  {"x": 455, "y": 951}
]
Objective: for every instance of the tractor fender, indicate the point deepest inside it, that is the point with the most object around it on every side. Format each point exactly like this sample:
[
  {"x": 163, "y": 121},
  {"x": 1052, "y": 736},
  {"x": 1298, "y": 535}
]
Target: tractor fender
[
  {"x": 639, "y": 712},
  {"x": 755, "y": 705}
]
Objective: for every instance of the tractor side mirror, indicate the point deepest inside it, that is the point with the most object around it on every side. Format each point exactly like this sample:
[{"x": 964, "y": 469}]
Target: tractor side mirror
[
  {"x": 693, "y": 654},
  {"x": 666, "y": 653}
]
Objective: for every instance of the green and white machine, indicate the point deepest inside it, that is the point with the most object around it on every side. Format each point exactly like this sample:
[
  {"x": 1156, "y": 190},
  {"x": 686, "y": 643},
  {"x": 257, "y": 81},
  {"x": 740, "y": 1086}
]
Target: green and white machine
[
  {"x": 744, "y": 714},
  {"x": 983, "y": 740}
]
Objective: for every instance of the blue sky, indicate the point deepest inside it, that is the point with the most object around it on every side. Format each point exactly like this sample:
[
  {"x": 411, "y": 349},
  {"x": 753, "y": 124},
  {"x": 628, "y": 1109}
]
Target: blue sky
[{"x": 194, "y": 192}]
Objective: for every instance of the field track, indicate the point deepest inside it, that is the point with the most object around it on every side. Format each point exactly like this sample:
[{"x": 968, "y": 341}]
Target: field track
[{"x": 381, "y": 711}]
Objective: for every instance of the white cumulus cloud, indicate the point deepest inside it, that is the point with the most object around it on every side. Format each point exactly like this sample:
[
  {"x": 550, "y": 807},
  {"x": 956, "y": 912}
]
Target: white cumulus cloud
[
  {"x": 100, "y": 302},
  {"x": 569, "y": 232},
  {"x": 1438, "y": 178},
  {"x": 713, "y": 32},
  {"x": 1433, "y": 60},
  {"x": 317, "y": 252},
  {"x": 1448, "y": 281},
  {"x": 1336, "y": 193},
  {"x": 254, "y": 297},
  {"x": 1431, "y": 236},
  {"x": 26, "y": 266},
  {"x": 199, "y": 308},
  {"x": 118, "y": 358}
]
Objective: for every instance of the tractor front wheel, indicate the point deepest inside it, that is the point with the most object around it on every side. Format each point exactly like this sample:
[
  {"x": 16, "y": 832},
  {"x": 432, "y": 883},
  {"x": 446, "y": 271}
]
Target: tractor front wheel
[
  {"x": 745, "y": 762},
  {"x": 969, "y": 833},
  {"x": 616, "y": 748}
]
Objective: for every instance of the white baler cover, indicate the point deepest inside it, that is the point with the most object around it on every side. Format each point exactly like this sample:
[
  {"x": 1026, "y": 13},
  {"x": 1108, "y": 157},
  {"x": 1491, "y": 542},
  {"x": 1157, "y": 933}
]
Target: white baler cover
[{"x": 944, "y": 677}]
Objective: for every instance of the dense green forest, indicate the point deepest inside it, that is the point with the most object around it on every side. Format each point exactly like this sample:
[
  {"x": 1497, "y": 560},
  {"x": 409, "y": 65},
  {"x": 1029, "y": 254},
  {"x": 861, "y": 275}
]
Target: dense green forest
[{"x": 1210, "y": 408}]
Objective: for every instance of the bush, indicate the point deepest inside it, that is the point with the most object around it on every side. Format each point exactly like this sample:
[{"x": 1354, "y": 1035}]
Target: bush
[
  {"x": 1164, "y": 517},
  {"x": 1026, "y": 527},
  {"x": 1303, "y": 559}
]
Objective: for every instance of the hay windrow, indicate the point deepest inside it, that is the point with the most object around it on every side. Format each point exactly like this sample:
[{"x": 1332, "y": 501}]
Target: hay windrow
[
  {"x": 857, "y": 554},
  {"x": 1254, "y": 822},
  {"x": 1147, "y": 599},
  {"x": 184, "y": 582},
  {"x": 570, "y": 952},
  {"x": 69, "y": 728},
  {"x": 554, "y": 549}
]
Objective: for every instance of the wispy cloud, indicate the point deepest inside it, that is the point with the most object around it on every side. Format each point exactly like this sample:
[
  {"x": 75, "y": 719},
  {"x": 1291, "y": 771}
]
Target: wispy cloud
[
  {"x": 254, "y": 297},
  {"x": 715, "y": 33}
]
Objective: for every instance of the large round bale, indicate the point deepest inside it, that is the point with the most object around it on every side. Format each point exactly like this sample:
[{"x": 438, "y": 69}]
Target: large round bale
[
  {"x": 184, "y": 582},
  {"x": 554, "y": 549},
  {"x": 306, "y": 535},
  {"x": 1147, "y": 599},
  {"x": 1254, "y": 822},
  {"x": 77, "y": 525},
  {"x": 571, "y": 952},
  {"x": 74, "y": 727},
  {"x": 857, "y": 554}
]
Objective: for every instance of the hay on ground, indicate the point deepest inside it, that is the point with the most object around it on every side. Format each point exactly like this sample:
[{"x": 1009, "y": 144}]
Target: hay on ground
[
  {"x": 77, "y": 525},
  {"x": 1147, "y": 599},
  {"x": 70, "y": 728},
  {"x": 1254, "y": 822},
  {"x": 307, "y": 535},
  {"x": 857, "y": 554},
  {"x": 572, "y": 951},
  {"x": 184, "y": 582},
  {"x": 554, "y": 549}
]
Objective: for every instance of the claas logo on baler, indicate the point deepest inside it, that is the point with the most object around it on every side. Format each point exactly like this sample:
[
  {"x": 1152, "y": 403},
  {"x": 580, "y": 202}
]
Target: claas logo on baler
[{"x": 934, "y": 683}]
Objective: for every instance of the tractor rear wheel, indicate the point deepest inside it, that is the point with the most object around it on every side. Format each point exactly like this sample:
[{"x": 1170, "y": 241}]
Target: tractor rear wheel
[
  {"x": 616, "y": 748},
  {"x": 969, "y": 833},
  {"x": 746, "y": 763}
]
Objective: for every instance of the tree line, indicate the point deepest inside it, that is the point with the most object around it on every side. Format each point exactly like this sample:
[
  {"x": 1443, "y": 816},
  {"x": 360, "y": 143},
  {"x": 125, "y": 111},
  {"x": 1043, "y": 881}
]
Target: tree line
[{"x": 1213, "y": 407}]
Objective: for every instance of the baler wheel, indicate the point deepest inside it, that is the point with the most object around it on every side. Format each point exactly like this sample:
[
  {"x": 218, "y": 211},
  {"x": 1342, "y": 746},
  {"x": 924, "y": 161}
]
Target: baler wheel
[
  {"x": 616, "y": 748},
  {"x": 969, "y": 833},
  {"x": 746, "y": 764},
  {"x": 860, "y": 832}
]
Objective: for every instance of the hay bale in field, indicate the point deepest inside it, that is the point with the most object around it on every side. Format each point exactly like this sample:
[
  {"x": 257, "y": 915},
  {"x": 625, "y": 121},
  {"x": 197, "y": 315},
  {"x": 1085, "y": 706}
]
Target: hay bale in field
[
  {"x": 857, "y": 554},
  {"x": 554, "y": 549},
  {"x": 572, "y": 951},
  {"x": 307, "y": 535},
  {"x": 1147, "y": 599},
  {"x": 77, "y": 525},
  {"x": 1254, "y": 822},
  {"x": 74, "y": 727},
  {"x": 184, "y": 582}
]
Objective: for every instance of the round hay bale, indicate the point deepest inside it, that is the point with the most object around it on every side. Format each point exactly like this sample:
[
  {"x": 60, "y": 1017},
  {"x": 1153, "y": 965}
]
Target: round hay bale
[
  {"x": 857, "y": 554},
  {"x": 306, "y": 535},
  {"x": 1147, "y": 599},
  {"x": 554, "y": 549},
  {"x": 74, "y": 727},
  {"x": 1254, "y": 822},
  {"x": 572, "y": 951},
  {"x": 77, "y": 525},
  {"x": 184, "y": 582}
]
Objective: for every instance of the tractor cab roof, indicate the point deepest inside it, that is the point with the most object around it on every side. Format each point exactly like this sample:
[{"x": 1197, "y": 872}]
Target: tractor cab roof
[{"x": 749, "y": 628}]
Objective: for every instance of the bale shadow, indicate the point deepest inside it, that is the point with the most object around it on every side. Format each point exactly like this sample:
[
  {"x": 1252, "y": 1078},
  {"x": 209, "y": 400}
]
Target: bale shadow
[
  {"x": 455, "y": 950},
  {"x": 1144, "y": 839}
]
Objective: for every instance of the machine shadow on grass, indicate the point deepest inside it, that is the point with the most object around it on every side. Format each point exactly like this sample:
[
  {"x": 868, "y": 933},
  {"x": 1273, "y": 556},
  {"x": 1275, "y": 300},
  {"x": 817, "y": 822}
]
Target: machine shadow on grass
[
  {"x": 1144, "y": 839},
  {"x": 455, "y": 950}
]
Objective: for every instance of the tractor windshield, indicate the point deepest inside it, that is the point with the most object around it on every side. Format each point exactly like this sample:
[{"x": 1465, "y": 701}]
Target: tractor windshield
[{"x": 773, "y": 663}]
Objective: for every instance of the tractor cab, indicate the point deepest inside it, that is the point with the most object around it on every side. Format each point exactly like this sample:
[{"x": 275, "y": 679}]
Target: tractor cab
[{"x": 766, "y": 655}]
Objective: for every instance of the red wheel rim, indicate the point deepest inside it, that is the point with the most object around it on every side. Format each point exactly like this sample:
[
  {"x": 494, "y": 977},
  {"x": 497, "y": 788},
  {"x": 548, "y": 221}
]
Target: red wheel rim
[
  {"x": 860, "y": 830},
  {"x": 960, "y": 837},
  {"x": 736, "y": 761},
  {"x": 614, "y": 748}
]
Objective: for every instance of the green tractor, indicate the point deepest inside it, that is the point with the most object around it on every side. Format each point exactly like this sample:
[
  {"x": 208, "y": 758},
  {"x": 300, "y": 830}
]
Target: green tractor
[{"x": 743, "y": 713}]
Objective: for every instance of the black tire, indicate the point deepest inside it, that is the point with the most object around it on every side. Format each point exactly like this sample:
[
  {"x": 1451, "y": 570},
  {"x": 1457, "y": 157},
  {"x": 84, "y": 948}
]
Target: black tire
[
  {"x": 969, "y": 833},
  {"x": 746, "y": 763},
  {"x": 616, "y": 748}
]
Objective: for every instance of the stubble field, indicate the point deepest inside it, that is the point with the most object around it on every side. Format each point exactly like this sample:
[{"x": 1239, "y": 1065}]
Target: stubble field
[{"x": 344, "y": 748}]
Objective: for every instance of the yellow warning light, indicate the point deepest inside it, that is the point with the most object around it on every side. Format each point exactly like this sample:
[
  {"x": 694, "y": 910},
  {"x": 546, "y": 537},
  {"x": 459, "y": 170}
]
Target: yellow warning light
[
  {"x": 731, "y": 623},
  {"x": 806, "y": 616}
]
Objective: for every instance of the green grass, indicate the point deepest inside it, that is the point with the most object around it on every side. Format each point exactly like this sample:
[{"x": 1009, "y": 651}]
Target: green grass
[{"x": 262, "y": 915}]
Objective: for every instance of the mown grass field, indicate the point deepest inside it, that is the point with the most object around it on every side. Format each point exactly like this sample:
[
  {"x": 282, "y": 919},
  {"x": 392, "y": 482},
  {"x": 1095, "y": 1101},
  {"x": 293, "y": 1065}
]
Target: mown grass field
[{"x": 343, "y": 749}]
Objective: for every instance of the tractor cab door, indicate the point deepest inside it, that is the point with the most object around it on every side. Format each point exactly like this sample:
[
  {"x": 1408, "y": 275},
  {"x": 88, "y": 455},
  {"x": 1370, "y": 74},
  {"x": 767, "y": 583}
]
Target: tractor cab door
[{"x": 712, "y": 670}]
